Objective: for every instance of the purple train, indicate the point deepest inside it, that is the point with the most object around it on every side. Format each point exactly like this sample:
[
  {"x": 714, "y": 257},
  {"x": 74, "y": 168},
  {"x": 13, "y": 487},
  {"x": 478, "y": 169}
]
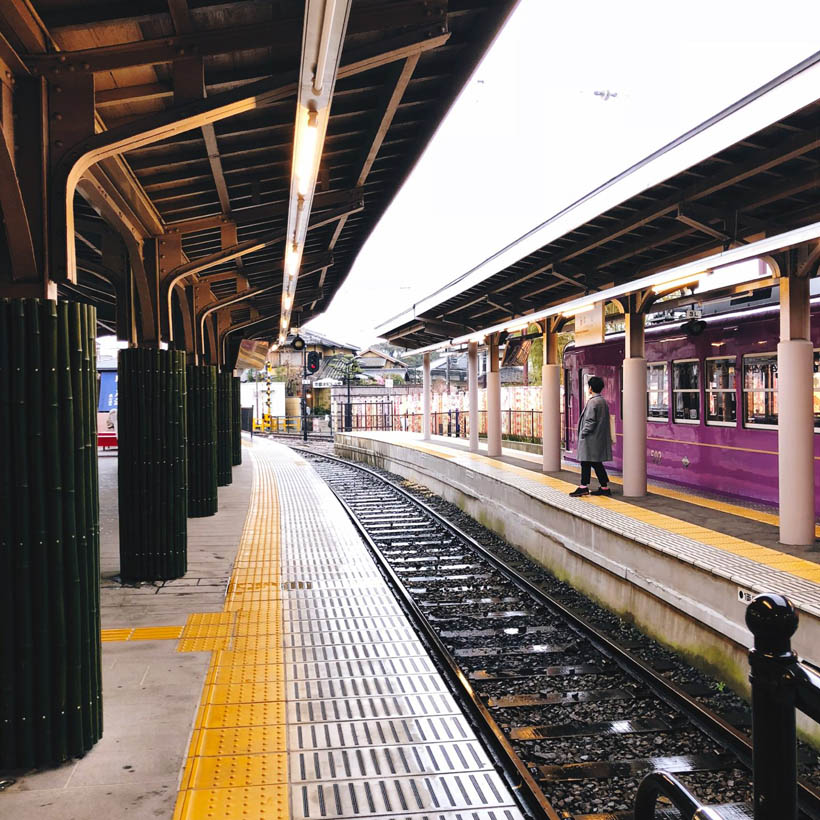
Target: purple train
[{"x": 711, "y": 401}]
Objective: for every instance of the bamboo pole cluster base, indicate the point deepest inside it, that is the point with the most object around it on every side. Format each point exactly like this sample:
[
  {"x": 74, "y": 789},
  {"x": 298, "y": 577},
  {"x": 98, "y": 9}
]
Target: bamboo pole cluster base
[
  {"x": 224, "y": 408},
  {"x": 202, "y": 487},
  {"x": 50, "y": 676},
  {"x": 236, "y": 422},
  {"x": 153, "y": 465}
]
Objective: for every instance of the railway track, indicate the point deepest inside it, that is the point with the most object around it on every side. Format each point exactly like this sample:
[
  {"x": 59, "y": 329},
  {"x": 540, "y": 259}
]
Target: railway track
[{"x": 577, "y": 712}]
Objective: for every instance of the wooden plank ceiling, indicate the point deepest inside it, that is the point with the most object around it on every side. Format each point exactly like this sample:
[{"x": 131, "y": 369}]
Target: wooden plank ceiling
[{"x": 406, "y": 63}]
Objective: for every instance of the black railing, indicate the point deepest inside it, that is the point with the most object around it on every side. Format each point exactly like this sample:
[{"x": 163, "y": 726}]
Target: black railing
[
  {"x": 518, "y": 425},
  {"x": 781, "y": 686}
]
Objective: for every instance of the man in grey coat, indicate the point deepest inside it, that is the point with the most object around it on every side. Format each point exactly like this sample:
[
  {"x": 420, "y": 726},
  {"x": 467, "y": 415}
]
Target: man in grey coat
[{"x": 594, "y": 441}]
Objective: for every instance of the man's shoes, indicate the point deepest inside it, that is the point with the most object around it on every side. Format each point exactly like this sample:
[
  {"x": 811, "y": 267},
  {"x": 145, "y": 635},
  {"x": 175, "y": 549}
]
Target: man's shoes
[
  {"x": 602, "y": 491},
  {"x": 579, "y": 491}
]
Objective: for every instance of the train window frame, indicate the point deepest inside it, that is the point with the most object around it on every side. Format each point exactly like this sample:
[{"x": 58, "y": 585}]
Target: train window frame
[
  {"x": 657, "y": 419},
  {"x": 707, "y": 390},
  {"x": 698, "y": 390},
  {"x": 816, "y": 354},
  {"x": 744, "y": 391}
]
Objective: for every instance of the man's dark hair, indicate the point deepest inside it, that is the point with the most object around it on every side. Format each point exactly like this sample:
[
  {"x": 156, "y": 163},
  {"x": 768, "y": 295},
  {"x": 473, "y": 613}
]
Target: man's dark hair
[{"x": 596, "y": 384}]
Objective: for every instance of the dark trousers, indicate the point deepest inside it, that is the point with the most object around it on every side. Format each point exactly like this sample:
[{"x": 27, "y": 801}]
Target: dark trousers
[{"x": 586, "y": 472}]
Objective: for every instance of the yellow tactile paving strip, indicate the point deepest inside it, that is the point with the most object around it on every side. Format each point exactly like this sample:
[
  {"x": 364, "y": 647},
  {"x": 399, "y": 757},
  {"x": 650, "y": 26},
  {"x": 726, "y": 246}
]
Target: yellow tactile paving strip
[
  {"x": 775, "y": 559},
  {"x": 237, "y": 758},
  {"x": 708, "y": 503},
  {"x": 142, "y": 633}
]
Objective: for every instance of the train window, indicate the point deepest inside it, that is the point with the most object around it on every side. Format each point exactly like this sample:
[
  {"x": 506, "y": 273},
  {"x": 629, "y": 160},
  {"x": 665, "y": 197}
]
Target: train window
[
  {"x": 760, "y": 390},
  {"x": 686, "y": 390},
  {"x": 657, "y": 392},
  {"x": 817, "y": 389},
  {"x": 721, "y": 391}
]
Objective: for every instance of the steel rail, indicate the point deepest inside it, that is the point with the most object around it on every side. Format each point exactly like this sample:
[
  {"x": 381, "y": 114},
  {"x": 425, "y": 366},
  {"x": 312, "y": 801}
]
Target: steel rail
[
  {"x": 703, "y": 718},
  {"x": 522, "y": 784}
]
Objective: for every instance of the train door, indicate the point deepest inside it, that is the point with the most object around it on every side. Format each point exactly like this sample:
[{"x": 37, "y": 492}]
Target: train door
[{"x": 567, "y": 401}]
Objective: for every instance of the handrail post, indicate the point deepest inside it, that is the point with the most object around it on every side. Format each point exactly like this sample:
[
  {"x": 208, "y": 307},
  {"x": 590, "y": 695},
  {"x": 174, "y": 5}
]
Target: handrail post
[{"x": 772, "y": 620}]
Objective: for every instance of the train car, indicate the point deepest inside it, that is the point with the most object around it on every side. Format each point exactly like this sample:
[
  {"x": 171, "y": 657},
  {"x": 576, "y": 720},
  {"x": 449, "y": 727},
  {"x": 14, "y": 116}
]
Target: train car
[{"x": 711, "y": 401}]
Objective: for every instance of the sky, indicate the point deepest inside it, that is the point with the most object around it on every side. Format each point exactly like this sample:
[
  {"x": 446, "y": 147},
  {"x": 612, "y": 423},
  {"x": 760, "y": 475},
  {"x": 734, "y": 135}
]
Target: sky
[{"x": 529, "y": 134}]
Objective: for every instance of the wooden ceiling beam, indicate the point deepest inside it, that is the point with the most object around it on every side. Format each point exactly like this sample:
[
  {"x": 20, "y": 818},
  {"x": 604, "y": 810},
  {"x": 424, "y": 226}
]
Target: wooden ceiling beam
[
  {"x": 791, "y": 148},
  {"x": 278, "y": 35},
  {"x": 322, "y": 201},
  {"x": 386, "y": 119},
  {"x": 251, "y": 245}
]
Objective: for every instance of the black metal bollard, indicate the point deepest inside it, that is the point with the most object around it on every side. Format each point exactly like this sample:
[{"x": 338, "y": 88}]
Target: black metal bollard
[{"x": 773, "y": 620}]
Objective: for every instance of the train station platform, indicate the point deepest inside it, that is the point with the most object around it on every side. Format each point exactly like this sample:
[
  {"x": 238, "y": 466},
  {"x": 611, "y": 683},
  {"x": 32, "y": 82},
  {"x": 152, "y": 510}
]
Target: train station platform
[
  {"x": 278, "y": 679},
  {"x": 681, "y": 566}
]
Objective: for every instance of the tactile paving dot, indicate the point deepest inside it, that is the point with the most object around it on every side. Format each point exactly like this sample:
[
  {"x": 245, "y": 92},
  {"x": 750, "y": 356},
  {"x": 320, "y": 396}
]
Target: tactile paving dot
[
  {"x": 258, "y": 692},
  {"x": 228, "y": 771},
  {"x": 243, "y": 714},
  {"x": 203, "y": 644},
  {"x": 239, "y": 803},
  {"x": 240, "y": 740},
  {"x": 248, "y": 674},
  {"x": 267, "y": 656}
]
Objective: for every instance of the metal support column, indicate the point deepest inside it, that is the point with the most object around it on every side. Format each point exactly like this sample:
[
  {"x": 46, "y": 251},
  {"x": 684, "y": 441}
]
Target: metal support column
[
  {"x": 550, "y": 402},
  {"x": 634, "y": 402},
  {"x": 472, "y": 387},
  {"x": 795, "y": 429},
  {"x": 493, "y": 398},
  {"x": 427, "y": 389},
  {"x": 224, "y": 429}
]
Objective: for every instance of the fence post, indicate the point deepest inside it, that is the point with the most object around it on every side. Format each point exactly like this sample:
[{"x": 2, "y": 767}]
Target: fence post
[{"x": 772, "y": 620}]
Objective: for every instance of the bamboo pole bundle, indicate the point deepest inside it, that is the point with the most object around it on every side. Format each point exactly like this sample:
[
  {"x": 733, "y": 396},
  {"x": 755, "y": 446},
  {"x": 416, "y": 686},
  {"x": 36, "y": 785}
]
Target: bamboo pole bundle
[
  {"x": 153, "y": 464},
  {"x": 202, "y": 455},
  {"x": 224, "y": 390},
  {"x": 236, "y": 421},
  {"x": 50, "y": 675}
]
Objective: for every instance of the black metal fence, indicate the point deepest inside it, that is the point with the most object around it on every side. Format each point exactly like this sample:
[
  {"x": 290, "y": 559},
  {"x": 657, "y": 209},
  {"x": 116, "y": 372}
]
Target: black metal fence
[
  {"x": 781, "y": 686},
  {"x": 520, "y": 425}
]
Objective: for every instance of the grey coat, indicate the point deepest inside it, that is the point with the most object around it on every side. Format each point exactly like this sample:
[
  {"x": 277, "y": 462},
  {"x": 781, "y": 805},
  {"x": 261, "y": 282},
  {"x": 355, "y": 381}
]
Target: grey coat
[{"x": 594, "y": 442}]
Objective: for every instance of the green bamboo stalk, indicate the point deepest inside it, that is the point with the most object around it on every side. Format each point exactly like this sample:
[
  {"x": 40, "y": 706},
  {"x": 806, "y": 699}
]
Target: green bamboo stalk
[
  {"x": 72, "y": 601},
  {"x": 236, "y": 421},
  {"x": 39, "y": 556},
  {"x": 8, "y": 689},
  {"x": 24, "y": 654},
  {"x": 53, "y": 457}
]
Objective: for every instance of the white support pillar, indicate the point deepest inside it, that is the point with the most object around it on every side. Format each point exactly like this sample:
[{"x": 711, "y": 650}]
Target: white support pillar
[
  {"x": 493, "y": 399},
  {"x": 472, "y": 388},
  {"x": 427, "y": 390},
  {"x": 795, "y": 428},
  {"x": 550, "y": 404},
  {"x": 634, "y": 422}
]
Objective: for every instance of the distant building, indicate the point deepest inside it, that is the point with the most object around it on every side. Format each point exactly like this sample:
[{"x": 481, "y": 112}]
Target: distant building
[{"x": 380, "y": 366}]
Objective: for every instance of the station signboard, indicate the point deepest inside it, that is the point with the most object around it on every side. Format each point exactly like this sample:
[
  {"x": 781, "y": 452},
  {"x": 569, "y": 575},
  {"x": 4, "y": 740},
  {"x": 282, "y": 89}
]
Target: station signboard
[{"x": 589, "y": 326}]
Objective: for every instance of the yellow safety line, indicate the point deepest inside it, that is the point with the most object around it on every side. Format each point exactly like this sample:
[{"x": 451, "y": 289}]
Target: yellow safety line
[
  {"x": 775, "y": 559},
  {"x": 709, "y": 503},
  {"x": 237, "y": 759},
  {"x": 142, "y": 633}
]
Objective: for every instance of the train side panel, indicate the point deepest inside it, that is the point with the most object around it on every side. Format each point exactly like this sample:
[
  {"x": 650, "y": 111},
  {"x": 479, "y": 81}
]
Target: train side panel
[{"x": 734, "y": 460}]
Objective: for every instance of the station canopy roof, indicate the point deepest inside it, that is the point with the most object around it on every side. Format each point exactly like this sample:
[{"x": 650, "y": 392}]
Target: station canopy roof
[
  {"x": 752, "y": 171},
  {"x": 402, "y": 64}
]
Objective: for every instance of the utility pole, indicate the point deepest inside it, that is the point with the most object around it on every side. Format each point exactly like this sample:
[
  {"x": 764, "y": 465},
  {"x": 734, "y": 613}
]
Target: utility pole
[{"x": 304, "y": 393}]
